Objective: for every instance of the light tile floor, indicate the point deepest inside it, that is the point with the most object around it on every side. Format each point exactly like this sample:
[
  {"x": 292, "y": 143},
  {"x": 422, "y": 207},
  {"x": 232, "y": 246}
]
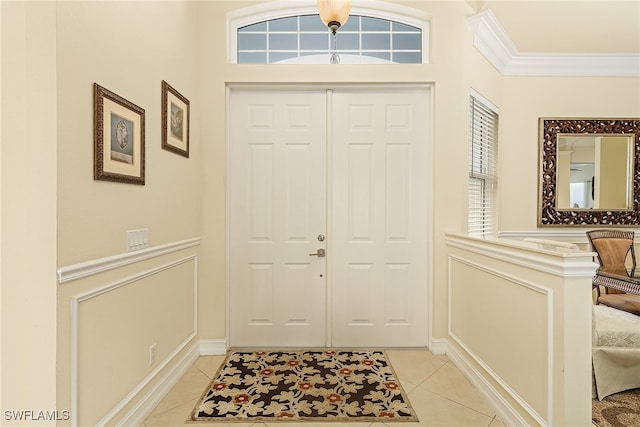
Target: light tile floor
[{"x": 439, "y": 393}]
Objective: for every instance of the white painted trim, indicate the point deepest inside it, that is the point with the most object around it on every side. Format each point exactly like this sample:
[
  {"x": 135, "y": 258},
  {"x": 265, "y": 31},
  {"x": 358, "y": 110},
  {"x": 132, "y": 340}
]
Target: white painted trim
[
  {"x": 438, "y": 346},
  {"x": 164, "y": 384},
  {"x": 477, "y": 95},
  {"x": 146, "y": 405},
  {"x": 575, "y": 236},
  {"x": 100, "y": 265},
  {"x": 574, "y": 65},
  {"x": 284, "y": 8},
  {"x": 544, "y": 234},
  {"x": 227, "y": 231},
  {"x": 490, "y": 38},
  {"x": 507, "y": 413},
  {"x": 213, "y": 347},
  {"x": 550, "y": 331},
  {"x": 532, "y": 258},
  {"x": 329, "y": 182},
  {"x": 75, "y": 303},
  {"x": 429, "y": 206}
]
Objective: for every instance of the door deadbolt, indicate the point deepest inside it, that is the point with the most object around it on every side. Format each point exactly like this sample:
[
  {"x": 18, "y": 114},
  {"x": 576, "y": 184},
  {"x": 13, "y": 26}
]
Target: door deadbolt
[{"x": 320, "y": 237}]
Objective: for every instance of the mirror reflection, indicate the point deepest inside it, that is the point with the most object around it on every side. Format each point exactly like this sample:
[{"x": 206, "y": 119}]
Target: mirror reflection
[
  {"x": 595, "y": 172},
  {"x": 600, "y": 159}
]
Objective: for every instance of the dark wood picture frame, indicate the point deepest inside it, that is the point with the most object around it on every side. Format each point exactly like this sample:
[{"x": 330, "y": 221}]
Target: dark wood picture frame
[
  {"x": 176, "y": 120},
  {"x": 119, "y": 138},
  {"x": 548, "y": 213}
]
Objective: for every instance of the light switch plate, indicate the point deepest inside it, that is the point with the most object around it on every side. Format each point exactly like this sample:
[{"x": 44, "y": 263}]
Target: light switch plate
[{"x": 137, "y": 239}]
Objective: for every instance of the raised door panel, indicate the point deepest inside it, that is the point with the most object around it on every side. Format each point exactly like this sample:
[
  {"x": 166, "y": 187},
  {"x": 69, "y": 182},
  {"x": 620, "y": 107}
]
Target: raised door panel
[
  {"x": 277, "y": 199},
  {"x": 379, "y": 217}
]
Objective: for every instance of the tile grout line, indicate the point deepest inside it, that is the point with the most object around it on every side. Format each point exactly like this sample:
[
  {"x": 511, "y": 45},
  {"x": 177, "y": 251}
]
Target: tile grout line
[
  {"x": 177, "y": 405},
  {"x": 448, "y": 398}
]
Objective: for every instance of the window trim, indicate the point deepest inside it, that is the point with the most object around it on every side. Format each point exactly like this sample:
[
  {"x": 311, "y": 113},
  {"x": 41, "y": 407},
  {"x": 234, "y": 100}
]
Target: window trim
[{"x": 285, "y": 8}]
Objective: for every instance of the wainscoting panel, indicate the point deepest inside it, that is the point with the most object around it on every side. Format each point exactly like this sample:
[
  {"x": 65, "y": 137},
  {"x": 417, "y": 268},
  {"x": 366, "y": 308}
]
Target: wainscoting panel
[
  {"x": 512, "y": 310},
  {"x": 519, "y": 327},
  {"x": 125, "y": 333}
]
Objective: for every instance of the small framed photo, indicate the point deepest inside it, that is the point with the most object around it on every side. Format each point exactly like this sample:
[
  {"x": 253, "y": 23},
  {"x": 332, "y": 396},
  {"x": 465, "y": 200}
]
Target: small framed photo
[
  {"x": 175, "y": 121},
  {"x": 118, "y": 138}
]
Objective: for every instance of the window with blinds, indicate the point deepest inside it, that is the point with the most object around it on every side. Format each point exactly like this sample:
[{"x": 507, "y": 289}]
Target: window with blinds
[{"x": 483, "y": 145}]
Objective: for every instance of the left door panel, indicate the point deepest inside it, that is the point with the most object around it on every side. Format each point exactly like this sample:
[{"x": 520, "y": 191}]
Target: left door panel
[{"x": 277, "y": 209}]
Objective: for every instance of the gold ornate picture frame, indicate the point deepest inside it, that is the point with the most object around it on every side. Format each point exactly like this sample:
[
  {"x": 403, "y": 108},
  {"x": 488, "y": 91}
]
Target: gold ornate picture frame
[
  {"x": 175, "y": 121},
  {"x": 119, "y": 138}
]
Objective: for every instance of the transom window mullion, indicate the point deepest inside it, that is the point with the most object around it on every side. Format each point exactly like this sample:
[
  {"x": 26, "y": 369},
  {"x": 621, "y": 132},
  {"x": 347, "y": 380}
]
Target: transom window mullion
[{"x": 379, "y": 40}]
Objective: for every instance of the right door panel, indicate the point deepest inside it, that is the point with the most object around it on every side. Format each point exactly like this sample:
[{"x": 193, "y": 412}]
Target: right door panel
[{"x": 378, "y": 217}]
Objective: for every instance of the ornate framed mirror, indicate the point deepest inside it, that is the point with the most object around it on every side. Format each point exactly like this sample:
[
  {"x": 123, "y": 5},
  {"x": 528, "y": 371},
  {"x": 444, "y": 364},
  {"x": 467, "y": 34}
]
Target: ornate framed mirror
[{"x": 589, "y": 172}]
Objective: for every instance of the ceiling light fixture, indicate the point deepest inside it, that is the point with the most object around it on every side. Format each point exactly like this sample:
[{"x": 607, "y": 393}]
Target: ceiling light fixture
[{"x": 334, "y": 14}]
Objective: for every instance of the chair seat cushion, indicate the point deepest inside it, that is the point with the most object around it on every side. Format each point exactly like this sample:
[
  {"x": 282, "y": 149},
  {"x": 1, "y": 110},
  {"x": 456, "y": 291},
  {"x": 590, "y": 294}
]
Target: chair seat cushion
[{"x": 626, "y": 302}]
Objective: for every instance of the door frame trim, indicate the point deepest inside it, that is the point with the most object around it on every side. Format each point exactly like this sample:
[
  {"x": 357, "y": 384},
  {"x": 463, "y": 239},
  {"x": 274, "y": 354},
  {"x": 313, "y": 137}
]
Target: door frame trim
[{"x": 330, "y": 87}]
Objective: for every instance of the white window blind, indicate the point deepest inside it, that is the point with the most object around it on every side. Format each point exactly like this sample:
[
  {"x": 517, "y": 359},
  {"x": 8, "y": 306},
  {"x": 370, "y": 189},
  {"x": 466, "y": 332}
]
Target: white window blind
[{"x": 483, "y": 145}]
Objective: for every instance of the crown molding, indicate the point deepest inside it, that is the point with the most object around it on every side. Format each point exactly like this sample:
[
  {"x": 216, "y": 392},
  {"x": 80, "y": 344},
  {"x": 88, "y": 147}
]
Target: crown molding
[{"x": 493, "y": 42}]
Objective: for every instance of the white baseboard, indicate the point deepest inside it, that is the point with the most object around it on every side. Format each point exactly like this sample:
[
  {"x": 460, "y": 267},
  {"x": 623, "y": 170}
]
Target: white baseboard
[
  {"x": 137, "y": 415},
  {"x": 213, "y": 347},
  {"x": 438, "y": 346},
  {"x": 507, "y": 413},
  {"x": 146, "y": 405}
]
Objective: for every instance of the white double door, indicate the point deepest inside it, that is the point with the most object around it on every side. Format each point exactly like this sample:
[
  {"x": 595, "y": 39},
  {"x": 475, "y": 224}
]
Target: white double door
[{"x": 336, "y": 172}]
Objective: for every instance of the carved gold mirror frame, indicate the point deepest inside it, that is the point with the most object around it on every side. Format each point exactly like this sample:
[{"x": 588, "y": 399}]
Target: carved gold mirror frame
[{"x": 548, "y": 212}]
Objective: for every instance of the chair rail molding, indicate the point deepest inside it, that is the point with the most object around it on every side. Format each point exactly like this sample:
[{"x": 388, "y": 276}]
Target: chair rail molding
[
  {"x": 491, "y": 39},
  {"x": 100, "y": 265}
]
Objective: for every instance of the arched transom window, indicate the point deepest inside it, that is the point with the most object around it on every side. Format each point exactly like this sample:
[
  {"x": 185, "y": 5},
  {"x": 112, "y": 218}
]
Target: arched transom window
[{"x": 301, "y": 37}]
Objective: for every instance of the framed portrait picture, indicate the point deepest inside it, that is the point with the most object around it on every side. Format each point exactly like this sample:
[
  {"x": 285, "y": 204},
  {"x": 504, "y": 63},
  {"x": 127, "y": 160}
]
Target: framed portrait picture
[
  {"x": 118, "y": 138},
  {"x": 175, "y": 121}
]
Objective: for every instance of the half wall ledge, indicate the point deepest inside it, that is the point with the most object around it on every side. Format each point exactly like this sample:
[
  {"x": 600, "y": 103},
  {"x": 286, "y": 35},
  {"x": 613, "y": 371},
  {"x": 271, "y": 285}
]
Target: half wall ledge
[{"x": 519, "y": 326}]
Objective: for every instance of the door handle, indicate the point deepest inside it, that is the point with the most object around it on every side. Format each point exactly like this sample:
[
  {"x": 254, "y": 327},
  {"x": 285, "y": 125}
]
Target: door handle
[{"x": 320, "y": 253}]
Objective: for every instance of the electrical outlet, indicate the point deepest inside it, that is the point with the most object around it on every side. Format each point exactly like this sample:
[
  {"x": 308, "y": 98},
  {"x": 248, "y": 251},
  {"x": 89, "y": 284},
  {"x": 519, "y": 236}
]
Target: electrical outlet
[{"x": 153, "y": 353}]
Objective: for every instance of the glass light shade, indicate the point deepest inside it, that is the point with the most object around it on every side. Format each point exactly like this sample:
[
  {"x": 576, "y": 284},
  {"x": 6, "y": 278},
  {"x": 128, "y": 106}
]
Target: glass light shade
[{"x": 334, "y": 11}]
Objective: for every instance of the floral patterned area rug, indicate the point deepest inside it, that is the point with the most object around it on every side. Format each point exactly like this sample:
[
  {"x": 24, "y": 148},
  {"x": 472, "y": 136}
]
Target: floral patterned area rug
[{"x": 333, "y": 386}]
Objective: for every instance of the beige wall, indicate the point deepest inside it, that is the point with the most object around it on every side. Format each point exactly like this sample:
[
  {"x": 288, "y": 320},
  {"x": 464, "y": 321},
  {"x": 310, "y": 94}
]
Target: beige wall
[
  {"x": 108, "y": 321},
  {"x": 28, "y": 193},
  {"x": 525, "y": 99},
  {"x": 129, "y": 48}
]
